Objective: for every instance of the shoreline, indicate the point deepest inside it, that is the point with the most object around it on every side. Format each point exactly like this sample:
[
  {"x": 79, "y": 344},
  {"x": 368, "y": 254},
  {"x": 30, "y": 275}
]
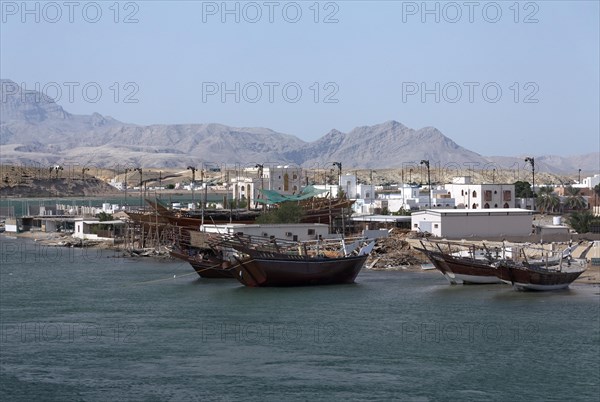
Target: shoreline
[{"x": 591, "y": 276}]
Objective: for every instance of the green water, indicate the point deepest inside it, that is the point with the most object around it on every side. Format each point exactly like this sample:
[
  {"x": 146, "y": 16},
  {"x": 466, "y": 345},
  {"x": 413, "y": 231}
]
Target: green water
[
  {"x": 88, "y": 325},
  {"x": 18, "y": 206}
]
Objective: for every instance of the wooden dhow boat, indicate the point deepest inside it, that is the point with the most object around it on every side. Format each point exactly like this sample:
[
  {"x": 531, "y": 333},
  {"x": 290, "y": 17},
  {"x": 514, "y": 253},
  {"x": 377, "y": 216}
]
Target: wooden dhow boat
[
  {"x": 463, "y": 263},
  {"x": 281, "y": 263},
  {"x": 551, "y": 272},
  {"x": 206, "y": 264},
  {"x": 208, "y": 261}
]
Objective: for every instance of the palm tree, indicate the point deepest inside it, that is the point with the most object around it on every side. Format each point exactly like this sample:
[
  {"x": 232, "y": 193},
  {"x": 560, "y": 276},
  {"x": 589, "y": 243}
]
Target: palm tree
[
  {"x": 575, "y": 200},
  {"x": 580, "y": 221},
  {"x": 547, "y": 200}
]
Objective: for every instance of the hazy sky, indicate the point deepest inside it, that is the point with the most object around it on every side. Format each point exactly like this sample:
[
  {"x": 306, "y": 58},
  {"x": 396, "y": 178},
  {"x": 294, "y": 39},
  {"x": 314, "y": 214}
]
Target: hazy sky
[{"x": 499, "y": 78}]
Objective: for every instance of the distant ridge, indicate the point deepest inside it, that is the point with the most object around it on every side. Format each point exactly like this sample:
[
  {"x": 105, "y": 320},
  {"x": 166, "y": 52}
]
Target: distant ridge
[{"x": 35, "y": 129}]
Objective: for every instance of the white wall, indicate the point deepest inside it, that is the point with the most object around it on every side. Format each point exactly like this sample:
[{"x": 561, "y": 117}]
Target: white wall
[
  {"x": 348, "y": 184},
  {"x": 303, "y": 231},
  {"x": 492, "y": 222}
]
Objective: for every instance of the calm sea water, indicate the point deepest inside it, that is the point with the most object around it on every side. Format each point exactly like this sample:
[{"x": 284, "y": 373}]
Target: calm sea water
[{"x": 88, "y": 325}]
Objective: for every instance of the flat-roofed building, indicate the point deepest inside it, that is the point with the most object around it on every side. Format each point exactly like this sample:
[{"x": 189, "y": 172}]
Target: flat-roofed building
[
  {"x": 480, "y": 196},
  {"x": 459, "y": 223}
]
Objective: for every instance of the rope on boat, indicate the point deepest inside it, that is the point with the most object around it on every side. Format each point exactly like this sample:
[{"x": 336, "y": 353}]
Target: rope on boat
[
  {"x": 177, "y": 276},
  {"x": 160, "y": 280}
]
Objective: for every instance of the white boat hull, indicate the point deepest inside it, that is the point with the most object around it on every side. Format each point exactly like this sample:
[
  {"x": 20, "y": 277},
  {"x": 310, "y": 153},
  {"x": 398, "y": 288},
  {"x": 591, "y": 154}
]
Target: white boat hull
[
  {"x": 531, "y": 286},
  {"x": 455, "y": 279}
]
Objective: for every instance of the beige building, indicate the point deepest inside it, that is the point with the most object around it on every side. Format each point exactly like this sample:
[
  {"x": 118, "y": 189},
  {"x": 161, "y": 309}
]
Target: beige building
[{"x": 283, "y": 179}]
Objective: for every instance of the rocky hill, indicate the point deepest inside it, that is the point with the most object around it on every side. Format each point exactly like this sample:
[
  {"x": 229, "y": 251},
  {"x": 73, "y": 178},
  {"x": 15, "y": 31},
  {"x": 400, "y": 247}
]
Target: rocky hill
[{"x": 36, "y": 130}]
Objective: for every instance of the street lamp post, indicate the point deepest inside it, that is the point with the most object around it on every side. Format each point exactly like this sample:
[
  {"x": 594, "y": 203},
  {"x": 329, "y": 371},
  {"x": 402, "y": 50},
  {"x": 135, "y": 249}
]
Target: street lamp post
[
  {"x": 139, "y": 170},
  {"x": 193, "y": 169},
  {"x": 339, "y": 166},
  {"x": 371, "y": 192},
  {"x": 127, "y": 170},
  {"x": 531, "y": 161},
  {"x": 426, "y": 163},
  {"x": 261, "y": 167}
]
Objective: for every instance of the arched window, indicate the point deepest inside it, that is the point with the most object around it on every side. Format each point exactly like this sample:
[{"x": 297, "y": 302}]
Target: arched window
[
  {"x": 506, "y": 205},
  {"x": 286, "y": 182},
  {"x": 486, "y": 205},
  {"x": 474, "y": 206},
  {"x": 474, "y": 193}
]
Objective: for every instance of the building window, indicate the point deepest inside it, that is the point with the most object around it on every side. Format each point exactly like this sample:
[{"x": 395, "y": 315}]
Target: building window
[
  {"x": 507, "y": 195},
  {"x": 435, "y": 226},
  {"x": 486, "y": 206},
  {"x": 286, "y": 182},
  {"x": 474, "y": 194},
  {"x": 416, "y": 225},
  {"x": 311, "y": 232},
  {"x": 368, "y": 195},
  {"x": 487, "y": 195}
]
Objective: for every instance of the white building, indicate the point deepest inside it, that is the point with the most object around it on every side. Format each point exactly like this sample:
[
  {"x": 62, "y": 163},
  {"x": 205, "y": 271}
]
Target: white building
[
  {"x": 291, "y": 231},
  {"x": 440, "y": 198},
  {"x": 591, "y": 182},
  {"x": 119, "y": 185},
  {"x": 365, "y": 191},
  {"x": 407, "y": 197},
  {"x": 245, "y": 188},
  {"x": 348, "y": 185},
  {"x": 480, "y": 196},
  {"x": 459, "y": 223},
  {"x": 93, "y": 229}
]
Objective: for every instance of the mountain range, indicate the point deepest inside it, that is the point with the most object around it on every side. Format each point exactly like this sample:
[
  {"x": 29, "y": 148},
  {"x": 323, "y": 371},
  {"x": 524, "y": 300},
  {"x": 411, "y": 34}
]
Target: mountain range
[{"x": 35, "y": 129}]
